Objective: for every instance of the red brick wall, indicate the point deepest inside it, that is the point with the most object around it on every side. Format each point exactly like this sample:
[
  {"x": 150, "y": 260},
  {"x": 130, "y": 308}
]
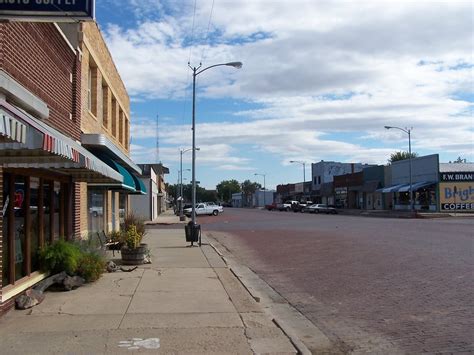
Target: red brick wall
[{"x": 38, "y": 57}]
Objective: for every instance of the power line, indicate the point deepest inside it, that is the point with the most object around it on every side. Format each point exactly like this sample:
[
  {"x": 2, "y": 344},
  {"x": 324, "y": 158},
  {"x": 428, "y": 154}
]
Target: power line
[
  {"x": 192, "y": 32},
  {"x": 207, "y": 33}
]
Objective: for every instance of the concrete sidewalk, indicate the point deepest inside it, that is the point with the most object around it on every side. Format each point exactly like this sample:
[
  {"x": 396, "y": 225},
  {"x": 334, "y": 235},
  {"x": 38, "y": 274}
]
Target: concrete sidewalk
[
  {"x": 168, "y": 217},
  {"x": 186, "y": 302}
]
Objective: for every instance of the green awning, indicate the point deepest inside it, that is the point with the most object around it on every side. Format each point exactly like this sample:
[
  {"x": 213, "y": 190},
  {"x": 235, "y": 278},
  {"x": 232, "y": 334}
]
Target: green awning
[
  {"x": 128, "y": 182},
  {"x": 139, "y": 185}
]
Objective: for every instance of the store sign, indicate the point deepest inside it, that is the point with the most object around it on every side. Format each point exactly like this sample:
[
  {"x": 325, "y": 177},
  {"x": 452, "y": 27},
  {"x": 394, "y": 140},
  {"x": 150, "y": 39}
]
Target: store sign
[
  {"x": 457, "y": 176},
  {"x": 456, "y": 196},
  {"x": 47, "y": 10}
]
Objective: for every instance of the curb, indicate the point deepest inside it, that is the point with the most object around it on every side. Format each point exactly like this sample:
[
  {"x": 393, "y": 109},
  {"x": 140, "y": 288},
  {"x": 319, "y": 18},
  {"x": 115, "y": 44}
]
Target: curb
[{"x": 287, "y": 330}]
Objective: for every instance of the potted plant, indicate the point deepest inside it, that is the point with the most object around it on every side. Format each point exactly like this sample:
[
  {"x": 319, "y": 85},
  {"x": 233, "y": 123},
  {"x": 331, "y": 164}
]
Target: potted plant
[{"x": 133, "y": 252}]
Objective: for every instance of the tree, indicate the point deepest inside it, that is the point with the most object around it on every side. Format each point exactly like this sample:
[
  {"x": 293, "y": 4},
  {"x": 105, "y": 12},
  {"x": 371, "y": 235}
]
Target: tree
[
  {"x": 226, "y": 188},
  {"x": 397, "y": 156},
  {"x": 460, "y": 160},
  {"x": 249, "y": 188}
]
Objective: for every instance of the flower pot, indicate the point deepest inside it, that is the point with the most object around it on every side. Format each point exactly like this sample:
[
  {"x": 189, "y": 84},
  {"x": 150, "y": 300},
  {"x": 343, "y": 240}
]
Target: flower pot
[{"x": 134, "y": 256}]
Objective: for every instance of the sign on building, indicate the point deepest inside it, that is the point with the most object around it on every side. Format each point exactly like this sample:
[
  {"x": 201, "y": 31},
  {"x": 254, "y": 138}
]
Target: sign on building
[
  {"x": 456, "y": 190},
  {"x": 47, "y": 10}
]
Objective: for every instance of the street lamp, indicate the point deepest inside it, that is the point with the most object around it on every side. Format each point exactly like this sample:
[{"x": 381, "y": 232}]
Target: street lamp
[
  {"x": 196, "y": 72},
  {"x": 407, "y": 131},
  {"x": 304, "y": 174},
  {"x": 181, "y": 152},
  {"x": 264, "y": 189}
]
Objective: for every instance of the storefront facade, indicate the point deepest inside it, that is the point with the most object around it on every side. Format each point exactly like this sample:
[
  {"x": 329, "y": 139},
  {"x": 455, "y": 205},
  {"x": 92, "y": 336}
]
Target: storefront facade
[
  {"x": 42, "y": 163},
  {"x": 456, "y": 187},
  {"x": 424, "y": 183},
  {"x": 105, "y": 132}
]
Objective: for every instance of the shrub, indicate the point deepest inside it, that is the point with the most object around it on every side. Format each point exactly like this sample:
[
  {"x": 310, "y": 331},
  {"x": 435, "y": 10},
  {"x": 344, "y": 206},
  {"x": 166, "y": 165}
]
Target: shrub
[
  {"x": 60, "y": 256},
  {"x": 91, "y": 266},
  {"x": 133, "y": 220},
  {"x": 132, "y": 238}
]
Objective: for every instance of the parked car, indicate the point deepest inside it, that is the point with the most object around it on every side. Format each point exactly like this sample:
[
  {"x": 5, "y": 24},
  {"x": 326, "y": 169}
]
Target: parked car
[
  {"x": 321, "y": 208},
  {"x": 204, "y": 208},
  {"x": 271, "y": 207},
  {"x": 287, "y": 206}
]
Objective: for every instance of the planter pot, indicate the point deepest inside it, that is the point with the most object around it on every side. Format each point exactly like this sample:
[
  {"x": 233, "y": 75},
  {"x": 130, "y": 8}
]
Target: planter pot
[{"x": 134, "y": 256}]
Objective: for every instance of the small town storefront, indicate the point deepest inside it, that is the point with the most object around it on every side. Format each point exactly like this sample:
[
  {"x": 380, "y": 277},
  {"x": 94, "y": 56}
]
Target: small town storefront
[
  {"x": 456, "y": 187},
  {"x": 40, "y": 169}
]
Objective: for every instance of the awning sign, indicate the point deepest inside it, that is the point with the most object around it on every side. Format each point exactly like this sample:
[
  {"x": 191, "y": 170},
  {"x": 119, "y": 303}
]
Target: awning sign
[{"x": 59, "y": 10}]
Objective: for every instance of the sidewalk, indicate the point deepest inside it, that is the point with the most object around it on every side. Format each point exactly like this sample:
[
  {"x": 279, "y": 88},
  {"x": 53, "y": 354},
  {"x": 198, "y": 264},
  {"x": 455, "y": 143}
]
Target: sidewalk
[
  {"x": 168, "y": 217},
  {"x": 186, "y": 302}
]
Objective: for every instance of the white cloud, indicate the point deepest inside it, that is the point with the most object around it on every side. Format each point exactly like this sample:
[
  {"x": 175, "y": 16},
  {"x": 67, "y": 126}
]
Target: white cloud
[{"x": 392, "y": 63}]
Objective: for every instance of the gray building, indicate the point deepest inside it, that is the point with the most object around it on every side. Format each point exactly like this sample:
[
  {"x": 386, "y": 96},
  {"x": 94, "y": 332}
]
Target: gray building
[
  {"x": 149, "y": 206},
  {"x": 323, "y": 173}
]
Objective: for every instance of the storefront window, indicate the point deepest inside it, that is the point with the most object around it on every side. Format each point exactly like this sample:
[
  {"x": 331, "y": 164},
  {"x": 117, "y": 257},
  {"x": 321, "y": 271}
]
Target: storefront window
[
  {"x": 47, "y": 211},
  {"x": 122, "y": 207},
  {"x": 19, "y": 206},
  {"x": 34, "y": 225},
  {"x": 56, "y": 202},
  {"x": 5, "y": 244},
  {"x": 95, "y": 204}
]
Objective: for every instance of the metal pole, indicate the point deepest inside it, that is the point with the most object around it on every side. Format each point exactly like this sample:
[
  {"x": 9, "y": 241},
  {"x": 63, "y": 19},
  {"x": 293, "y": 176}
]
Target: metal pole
[
  {"x": 412, "y": 207},
  {"x": 193, "y": 210},
  {"x": 181, "y": 186},
  {"x": 264, "y": 192},
  {"x": 304, "y": 181}
]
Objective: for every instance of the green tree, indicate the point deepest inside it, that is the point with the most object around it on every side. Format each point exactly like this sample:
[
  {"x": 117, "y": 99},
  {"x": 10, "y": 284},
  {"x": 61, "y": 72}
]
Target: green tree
[
  {"x": 249, "y": 188},
  {"x": 460, "y": 160},
  {"x": 226, "y": 188},
  {"x": 397, "y": 156}
]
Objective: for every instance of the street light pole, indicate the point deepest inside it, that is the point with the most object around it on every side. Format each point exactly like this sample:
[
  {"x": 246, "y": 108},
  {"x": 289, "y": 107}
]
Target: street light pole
[
  {"x": 304, "y": 175},
  {"x": 196, "y": 72},
  {"x": 407, "y": 131},
  {"x": 181, "y": 152},
  {"x": 264, "y": 189}
]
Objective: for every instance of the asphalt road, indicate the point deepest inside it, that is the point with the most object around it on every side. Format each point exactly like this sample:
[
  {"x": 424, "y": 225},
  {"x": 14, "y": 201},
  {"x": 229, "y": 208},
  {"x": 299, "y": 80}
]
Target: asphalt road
[{"x": 370, "y": 284}]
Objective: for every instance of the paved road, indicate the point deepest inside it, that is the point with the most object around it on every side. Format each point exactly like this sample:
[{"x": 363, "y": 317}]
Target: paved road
[{"x": 371, "y": 284}]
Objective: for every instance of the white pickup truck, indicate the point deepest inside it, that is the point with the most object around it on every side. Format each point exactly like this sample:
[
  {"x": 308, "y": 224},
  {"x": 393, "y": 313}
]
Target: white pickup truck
[{"x": 204, "y": 208}]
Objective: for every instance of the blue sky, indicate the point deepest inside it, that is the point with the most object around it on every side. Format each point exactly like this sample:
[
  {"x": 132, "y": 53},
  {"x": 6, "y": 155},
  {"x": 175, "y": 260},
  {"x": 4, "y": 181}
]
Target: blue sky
[{"x": 319, "y": 81}]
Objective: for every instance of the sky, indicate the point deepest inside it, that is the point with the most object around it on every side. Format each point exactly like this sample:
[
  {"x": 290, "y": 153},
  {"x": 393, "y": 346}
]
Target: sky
[{"x": 320, "y": 80}]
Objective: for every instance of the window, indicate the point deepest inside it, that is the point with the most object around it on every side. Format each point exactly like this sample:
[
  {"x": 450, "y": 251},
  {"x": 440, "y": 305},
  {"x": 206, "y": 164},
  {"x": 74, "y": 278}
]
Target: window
[
  {"x": 121, "y": 119},
  {"x": 96, "y": 208},
  {"x": 89, "y": 90},
  {"x": 319, "y": 179},
  {"x": 114, "y": 117},
  {"x": 127, "y": 133},
  {"x": 105, "y": 105},
  {"x": 92, "y": 84},
  {"x": 30, "y": 217}
]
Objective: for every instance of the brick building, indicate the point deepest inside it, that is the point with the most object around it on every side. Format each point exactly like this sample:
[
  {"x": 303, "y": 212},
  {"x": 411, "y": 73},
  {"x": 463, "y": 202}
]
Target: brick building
[
  {"x": 42, "y": 163},
  {"x": 65, "y": 169},
  {"x": 105, "y": 127}
]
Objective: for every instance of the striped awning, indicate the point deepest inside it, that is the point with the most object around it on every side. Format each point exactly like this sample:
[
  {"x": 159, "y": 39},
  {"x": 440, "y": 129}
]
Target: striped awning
[
  {"x": 27, "y": 142},
  {"x": 12, "y": 129}
]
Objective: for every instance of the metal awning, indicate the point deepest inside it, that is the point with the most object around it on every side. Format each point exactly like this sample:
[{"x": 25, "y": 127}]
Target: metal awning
[
  {"x": 127, "y": 183},
  {"x": 393, "y": 188},
  {"x": 27, "y": 142},
  {"x": 415, "y": 186},
  {"x": 100, "y": 144},
  {"x": 139, "y": 185},
  {"x": 406, "y": 187}
]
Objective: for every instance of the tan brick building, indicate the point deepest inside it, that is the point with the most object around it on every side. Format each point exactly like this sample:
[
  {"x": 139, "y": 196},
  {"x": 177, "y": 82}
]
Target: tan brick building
[{"x": 105, "y": 127}]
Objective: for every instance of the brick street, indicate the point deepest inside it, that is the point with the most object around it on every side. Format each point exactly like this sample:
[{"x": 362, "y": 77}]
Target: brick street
[{"x": 371, "y": 284}]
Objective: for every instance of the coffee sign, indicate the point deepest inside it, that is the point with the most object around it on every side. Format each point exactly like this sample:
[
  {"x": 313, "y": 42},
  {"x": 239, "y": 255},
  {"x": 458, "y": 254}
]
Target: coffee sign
[{"x": 47, "y": 10}]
